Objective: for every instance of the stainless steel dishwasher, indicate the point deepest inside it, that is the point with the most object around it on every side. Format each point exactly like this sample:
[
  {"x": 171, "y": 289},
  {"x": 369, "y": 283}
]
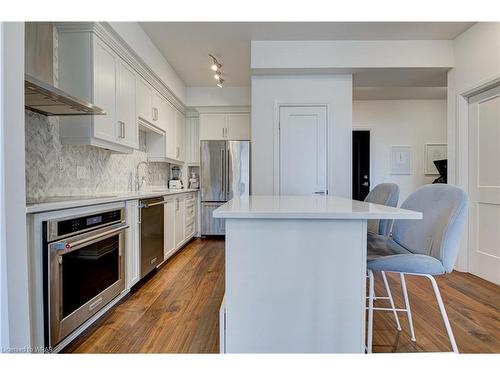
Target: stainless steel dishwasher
[{"x": 151, "y": 218}]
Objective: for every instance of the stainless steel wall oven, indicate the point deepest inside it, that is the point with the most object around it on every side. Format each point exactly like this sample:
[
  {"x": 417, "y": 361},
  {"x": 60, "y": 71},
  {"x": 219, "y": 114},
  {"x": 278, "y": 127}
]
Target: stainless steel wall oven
[{"x": 83, "y": 269}]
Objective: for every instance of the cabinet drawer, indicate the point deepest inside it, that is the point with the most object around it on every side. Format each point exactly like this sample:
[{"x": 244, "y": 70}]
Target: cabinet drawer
[
  {"x": 190, "y": 220},
  {"x": 189, "y": 229},
  {"x": 190, "y": 210}
]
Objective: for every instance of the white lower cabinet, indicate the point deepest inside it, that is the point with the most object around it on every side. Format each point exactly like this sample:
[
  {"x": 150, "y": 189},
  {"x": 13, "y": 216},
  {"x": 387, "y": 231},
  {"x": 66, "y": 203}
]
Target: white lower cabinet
[
  {"x": 180, "y": 221},
  {"x": 132, "y": 247},
  {"x": 169, "y": 233}
]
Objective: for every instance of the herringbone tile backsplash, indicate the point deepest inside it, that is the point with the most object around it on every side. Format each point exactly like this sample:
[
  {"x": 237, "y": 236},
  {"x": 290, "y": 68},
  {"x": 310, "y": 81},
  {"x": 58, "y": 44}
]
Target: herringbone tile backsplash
[{"x": 51, "y": 166}]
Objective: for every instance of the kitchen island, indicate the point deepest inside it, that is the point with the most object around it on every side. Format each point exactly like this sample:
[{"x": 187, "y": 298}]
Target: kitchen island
[{"x": 295, "y": 273}]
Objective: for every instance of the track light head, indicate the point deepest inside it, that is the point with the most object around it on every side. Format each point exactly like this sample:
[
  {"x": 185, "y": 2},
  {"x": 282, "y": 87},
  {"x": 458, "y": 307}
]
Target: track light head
[
  {"x": 219, "y": 84},
  {"x": 216, "y": 65}
]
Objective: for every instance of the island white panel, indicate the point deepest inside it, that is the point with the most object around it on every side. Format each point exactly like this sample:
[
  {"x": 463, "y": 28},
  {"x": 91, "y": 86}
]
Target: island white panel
[{"x": 295, "y": 286}]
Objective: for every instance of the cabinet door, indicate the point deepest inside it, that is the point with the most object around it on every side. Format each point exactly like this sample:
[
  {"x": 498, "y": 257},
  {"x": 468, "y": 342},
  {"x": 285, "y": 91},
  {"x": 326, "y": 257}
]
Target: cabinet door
[
  {"x": 192, "y": 140},
  {"x": 132, "y": 254},
  {"x": 169, "y": 222},
  {"x": 170, "y": 131},
  {"x": 212, "y": 126},
  {"x": 159, "y": 111},
  {"x": 180, "y": 135},
  {"x": 179, "y": 221},
  {"x": 238, "y": 127},
  {"x": 126, "y": 101},
  {"x": 105, "y": 126},
  {"x": 144, "y": 100},
  {"x": 195, "y": 140},
  {"x": 190, "y": 216}
]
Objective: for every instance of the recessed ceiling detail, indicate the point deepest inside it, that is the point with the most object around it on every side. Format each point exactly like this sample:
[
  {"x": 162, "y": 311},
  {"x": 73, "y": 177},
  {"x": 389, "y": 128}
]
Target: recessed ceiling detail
[{"x": 184, "y": 44}]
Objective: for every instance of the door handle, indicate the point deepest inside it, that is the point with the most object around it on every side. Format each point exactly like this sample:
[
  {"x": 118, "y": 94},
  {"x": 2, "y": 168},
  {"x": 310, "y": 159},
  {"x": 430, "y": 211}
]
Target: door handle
[{"x": 321, "y": 192}]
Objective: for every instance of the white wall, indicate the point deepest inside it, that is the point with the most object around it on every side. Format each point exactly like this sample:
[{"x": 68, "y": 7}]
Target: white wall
[
  {"x": 477, "y": 62},
  {"x": 333, "y": 90},
  {"x": 327, "y": 54},
  {"x": 13, "y": 248},
  {"x": 217, "y": 97},
  {"x": 139, "y": 41},
  {"x": 400, "y": 122}
]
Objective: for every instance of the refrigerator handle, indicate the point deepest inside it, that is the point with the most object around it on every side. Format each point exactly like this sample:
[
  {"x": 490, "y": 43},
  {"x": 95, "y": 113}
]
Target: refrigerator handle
[
  {"x": 222, "y": 177},
  {"x": 227, "y": 172}
]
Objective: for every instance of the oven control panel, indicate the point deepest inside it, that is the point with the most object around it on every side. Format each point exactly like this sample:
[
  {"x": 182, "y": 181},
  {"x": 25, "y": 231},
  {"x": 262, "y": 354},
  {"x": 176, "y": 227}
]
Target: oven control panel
[{"x": 78, "y": 224}]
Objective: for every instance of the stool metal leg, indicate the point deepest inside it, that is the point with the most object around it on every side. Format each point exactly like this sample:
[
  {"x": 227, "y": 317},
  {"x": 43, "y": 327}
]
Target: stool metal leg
[
  {"x": 443, "y": 313},
  {"x": 371, "y": 290},
  {"x": 389, "y": 294},
  {"x": 407, "y": 304}
]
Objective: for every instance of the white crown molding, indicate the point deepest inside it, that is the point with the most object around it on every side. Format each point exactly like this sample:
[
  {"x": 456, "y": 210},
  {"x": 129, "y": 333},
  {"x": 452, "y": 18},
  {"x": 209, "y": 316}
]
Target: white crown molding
[
  {"x": 114, "y": 41},
  {"x": 224, "y": 109}
]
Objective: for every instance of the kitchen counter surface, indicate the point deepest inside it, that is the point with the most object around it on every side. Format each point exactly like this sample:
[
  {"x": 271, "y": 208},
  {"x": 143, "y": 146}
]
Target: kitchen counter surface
[
  {"x": 308, "y": 207},
  {"x": 58, "y": 203}
]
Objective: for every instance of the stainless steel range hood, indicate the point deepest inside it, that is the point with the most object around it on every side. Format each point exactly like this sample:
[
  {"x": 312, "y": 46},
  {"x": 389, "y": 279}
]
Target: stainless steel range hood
[{"x": 48, "y": 100}]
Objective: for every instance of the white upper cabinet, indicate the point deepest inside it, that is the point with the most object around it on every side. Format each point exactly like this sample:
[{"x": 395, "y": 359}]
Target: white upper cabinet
[
  {"x": 160, "y": 111},
  {"x": 125, "y": 104},
  {"x": 193, "y": 140},
  {"x": 171, "y": 150},
  {"x": 105, "y": 69},
  {"x": 90, "y": 69},
  {"x": 180, "y": 135},
  {"x": 225, "y": 126},
  {"x": 238, "y": 126},
  {"x": 95, "y": 65},
  {"x": 144, "y": 100},
  {"x": 212, "y": 126}
]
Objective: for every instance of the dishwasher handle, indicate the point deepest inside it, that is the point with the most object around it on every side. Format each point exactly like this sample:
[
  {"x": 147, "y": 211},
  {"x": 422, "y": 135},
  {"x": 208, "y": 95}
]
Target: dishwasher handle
[{"x": 147, "y": 205}]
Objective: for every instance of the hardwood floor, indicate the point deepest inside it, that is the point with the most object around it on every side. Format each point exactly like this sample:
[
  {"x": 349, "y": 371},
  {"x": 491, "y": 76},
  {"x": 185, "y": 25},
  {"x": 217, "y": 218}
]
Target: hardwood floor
[{"x": 177, "y": 311}]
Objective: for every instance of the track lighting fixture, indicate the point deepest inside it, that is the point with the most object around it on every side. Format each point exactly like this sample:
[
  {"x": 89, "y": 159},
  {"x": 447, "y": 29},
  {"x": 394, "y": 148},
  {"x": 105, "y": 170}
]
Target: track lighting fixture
[{"x": 216, "y": 66}]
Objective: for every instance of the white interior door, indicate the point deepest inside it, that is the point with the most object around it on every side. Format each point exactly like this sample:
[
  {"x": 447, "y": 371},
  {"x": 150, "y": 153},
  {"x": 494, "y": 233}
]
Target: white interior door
[
  {"x": 484, "y": 185},
  {"x": 302, "y": 150}
]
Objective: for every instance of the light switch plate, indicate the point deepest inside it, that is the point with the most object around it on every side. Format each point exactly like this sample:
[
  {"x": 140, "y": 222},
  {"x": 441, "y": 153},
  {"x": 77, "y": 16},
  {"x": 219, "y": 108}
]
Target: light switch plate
[{"x": 81, "y": 172}]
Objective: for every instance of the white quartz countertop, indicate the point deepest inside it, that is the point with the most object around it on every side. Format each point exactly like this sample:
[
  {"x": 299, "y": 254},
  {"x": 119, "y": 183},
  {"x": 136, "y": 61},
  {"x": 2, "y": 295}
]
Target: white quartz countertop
[
  {"x": 58, "y": 203},
  {"x": 308, "y": 207}
]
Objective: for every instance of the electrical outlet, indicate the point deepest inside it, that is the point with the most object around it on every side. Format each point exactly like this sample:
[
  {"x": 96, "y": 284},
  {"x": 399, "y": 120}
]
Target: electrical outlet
[{"x": 81, "y": 172}]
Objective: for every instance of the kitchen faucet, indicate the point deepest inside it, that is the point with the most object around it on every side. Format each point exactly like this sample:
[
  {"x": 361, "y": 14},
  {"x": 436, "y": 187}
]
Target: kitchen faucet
[{"x": 139, "y": 183}]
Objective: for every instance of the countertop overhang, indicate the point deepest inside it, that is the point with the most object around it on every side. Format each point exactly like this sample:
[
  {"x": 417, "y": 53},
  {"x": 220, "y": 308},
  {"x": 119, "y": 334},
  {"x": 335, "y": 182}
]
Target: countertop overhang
[
  {"x": 308, "y": 207},
  {"x": 108, "y": 198}
]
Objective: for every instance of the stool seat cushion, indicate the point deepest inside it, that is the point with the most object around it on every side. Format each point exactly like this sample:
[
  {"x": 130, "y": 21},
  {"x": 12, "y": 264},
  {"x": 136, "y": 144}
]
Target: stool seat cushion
[{"x": 384, "y": 254}]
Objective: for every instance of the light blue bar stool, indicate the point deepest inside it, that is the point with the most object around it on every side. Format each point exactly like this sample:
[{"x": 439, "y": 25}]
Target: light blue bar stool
[
  {"x": 424, "y": 247},
  {"x": 386, "y": 194}
]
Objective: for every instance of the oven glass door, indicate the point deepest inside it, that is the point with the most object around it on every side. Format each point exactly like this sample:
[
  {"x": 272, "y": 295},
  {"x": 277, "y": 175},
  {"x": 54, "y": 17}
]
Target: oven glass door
[{"x": 88, "y": 271}]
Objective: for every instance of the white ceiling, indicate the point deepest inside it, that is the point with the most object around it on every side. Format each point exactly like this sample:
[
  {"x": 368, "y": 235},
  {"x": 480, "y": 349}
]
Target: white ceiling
[{"x": 186, "y": 45}]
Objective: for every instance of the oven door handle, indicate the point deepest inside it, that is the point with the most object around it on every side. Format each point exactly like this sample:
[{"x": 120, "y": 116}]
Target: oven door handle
[{"x": 70, "y": 246}]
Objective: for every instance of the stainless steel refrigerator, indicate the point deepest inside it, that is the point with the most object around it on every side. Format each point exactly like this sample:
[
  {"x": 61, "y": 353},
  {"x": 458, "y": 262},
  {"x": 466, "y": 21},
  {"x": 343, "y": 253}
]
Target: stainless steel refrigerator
[{"x": 224, "y": 174}]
